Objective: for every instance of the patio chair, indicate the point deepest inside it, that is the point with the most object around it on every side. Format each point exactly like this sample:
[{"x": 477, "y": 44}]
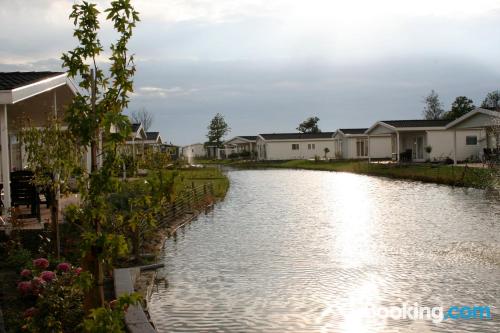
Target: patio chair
[
  {"x": 488, "y": 154},
  {"x": 24, "y": 192}
]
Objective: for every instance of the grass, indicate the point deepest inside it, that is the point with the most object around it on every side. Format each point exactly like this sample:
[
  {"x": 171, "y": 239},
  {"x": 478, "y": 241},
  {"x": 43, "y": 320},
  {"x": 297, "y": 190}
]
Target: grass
[
  {"x": 433, "y": 173},
  {"x": 201, "y": 176}
]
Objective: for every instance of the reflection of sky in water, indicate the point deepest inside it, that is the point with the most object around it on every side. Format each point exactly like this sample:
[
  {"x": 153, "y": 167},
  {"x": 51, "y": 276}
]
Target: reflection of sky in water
[{"x": 306, "y": 251}]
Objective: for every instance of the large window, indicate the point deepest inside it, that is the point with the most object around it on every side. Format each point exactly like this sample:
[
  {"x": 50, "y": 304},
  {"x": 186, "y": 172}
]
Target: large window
[
  {"x": 471, "y": 140},
  {"x": 311, "y": 146},
  {"x": 362, "y": 147},
  {"x": 295, "y": 146}
]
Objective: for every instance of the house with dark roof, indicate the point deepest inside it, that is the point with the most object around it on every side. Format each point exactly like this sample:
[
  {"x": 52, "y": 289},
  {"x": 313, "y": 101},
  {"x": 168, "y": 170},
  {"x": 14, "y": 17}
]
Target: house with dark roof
[
  {"x": 33, "y": 96},
  {"x": 421, "y": 140},
  {"x": 353, "y": 143},
  {"x": 290, "y": 146},
  {"x": 135, "y": 143},
  {"x": 239, "y": 145},
  {"x": 153, "y": 138}
]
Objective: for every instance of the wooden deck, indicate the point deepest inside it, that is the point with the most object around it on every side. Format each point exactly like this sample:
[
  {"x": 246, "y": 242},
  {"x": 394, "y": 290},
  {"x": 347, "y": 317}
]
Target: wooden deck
[{"x": 33, "y": 223}]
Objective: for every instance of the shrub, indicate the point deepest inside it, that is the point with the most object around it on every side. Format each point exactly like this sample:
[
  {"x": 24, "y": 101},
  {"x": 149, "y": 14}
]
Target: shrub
[{"x": 54, "y": 298}]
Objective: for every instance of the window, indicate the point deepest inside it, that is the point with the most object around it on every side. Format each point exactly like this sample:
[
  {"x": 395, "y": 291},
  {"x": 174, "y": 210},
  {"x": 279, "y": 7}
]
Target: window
[
  {"x": 311, "y": 146},
  {"x": 295, "y": 146},
  {"x": 362, "y": 147},
  {"x": 471, "y": 140}
]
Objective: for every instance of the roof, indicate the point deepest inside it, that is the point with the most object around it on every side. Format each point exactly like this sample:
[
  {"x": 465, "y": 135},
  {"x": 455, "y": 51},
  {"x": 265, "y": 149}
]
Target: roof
[
  {"x": 297, "y": 136},
  {"x": 152, "y": 135},
  {"x": 248, "y": 137},
  {"x": 416, "y": 123},
  {"x": 487, "y": 112},
  {"x": 135, "y": 127},
  {"x": 353, "y": 130},
  {"x": 13, "y": 80}
]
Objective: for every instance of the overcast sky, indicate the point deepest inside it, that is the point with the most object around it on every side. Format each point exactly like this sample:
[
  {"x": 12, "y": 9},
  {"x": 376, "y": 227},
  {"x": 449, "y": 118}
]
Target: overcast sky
[{"x": 268, "y": 64}]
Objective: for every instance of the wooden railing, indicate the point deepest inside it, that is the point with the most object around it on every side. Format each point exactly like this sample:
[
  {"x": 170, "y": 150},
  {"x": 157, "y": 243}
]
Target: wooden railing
[{"x": 192, "y": 199}]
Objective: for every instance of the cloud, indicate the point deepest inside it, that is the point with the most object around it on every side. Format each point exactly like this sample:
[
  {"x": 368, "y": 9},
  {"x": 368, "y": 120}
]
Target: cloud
[{"x": 158, "y": 92}]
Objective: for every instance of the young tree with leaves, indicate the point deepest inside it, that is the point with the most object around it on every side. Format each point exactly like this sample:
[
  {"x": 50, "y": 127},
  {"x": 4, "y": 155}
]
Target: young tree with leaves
[
  {"x": 95, "y": 118},
  {"x": 460, "y": 106},
  {"x": 326, "y": 151},
  {"x": 433, "y": 108},
  {"x": 54, "y": 156},
  {"x": 143, "y": 117},
  {"x": 217, "y": 129},
  {"x": 492, "y": 101},
  {"x": 310, "y": 125}
]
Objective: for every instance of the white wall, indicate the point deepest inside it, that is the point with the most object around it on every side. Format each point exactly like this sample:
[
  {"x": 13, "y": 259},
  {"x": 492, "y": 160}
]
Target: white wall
[
  {"x": 192, "y": 151},
  {"x": 442, "y": 143},
  {"x": 282, "y": 150},
  {"x": 380, "y": 147}
]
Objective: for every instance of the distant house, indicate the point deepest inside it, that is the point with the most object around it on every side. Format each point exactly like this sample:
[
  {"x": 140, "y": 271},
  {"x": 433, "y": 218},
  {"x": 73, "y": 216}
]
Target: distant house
[
  {"x": 135, "y": 142},
  {"x": 474, "y": 133},
  {"x": 172, "y": 150},
  {"x": 289, "y": 146},
  {"x": 353, "y": 143},
  {"x": 192, "y": 151},
  {"x": 459, "y": 140},
  {"x": 153, "y": 138},
  {"x": 238, "y": 145},
  {"x": 153, "y": 141}
]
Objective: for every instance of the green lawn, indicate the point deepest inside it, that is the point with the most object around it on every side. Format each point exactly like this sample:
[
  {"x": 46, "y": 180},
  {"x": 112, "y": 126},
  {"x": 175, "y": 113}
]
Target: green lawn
[
  {"x": 435, "y": 173},
  {"x": 200, "y": 176}
]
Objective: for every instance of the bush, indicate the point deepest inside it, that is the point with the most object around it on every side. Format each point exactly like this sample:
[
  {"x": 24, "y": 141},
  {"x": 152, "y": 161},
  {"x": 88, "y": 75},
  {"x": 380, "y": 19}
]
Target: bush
[
  {"x": 18, "y": 257},
  {"x": 233, "y": 156},
  {"x": 245, "y": 154}
]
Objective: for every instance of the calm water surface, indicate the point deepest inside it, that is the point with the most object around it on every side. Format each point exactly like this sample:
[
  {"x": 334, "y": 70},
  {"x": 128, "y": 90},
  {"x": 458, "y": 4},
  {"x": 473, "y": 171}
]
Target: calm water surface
[{"x": 306, "y": 251}]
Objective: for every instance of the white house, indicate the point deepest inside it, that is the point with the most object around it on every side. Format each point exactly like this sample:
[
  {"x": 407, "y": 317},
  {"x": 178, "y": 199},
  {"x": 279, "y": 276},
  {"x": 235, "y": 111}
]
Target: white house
[
  {"x": 28, "y": 95},
  {"x": 353, "y": 143},
  {"x": 475, "y": 132},
  {"x": 237, "y": 145},
  {"x": 195, "y": 150},
  {"x": 462, "y": 139},
  {"x": 290, "y": 146}
]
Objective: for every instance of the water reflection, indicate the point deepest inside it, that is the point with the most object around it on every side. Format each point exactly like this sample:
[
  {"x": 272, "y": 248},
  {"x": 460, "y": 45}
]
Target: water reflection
[{"x": 306, "y": 251}]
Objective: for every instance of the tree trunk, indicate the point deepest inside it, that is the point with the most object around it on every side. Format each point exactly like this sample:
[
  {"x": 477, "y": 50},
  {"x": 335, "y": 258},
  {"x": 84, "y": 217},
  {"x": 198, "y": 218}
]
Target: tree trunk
[
  {"x": 95, "y": 296},
  {"x": 54, "y": 215}
]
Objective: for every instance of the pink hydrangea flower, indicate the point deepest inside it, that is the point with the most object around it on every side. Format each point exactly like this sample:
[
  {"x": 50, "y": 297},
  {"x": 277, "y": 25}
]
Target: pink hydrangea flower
[
  {"x": 25, "y": 273},
  {"x": 78, "y": 271},
  {"x": 30, "y": 312},
  {"x": 41, "y": 263},
  {"x": 24, "y": 287},
  {"x": 64, "y": 267},
  {"x": 48, "y": 276},
  {"x": 37, "y": 282}
]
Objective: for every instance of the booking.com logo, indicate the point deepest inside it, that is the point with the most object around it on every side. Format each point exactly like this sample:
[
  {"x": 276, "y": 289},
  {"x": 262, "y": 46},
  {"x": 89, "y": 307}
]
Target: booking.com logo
[{"x": 437, "y": 314}]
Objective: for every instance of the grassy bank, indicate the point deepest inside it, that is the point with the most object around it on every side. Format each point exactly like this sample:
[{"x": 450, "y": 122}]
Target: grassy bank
[
  {"x": 201, "y": 176},
  {"x": 433, "y": 173}
]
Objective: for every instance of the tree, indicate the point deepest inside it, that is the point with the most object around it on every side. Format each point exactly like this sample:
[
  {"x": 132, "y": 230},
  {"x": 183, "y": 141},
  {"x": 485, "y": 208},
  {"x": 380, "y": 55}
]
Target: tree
[
  {"x": 326, "y": 150},
  {"x": 310, "y": 125},
  {"x": 460, "y": 106},
  {"x": 433, "y": 108},
  {"x": 144, "y": 117},
  {"x": 54, "y": 156},
  {"x": 91, "y": 115},
  {"x": 217, "y": 129},
  {"x": 492, "y": 101}
]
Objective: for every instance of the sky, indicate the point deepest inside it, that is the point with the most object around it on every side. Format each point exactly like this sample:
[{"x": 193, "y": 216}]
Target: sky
[{"x": 266, "y": 65}]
